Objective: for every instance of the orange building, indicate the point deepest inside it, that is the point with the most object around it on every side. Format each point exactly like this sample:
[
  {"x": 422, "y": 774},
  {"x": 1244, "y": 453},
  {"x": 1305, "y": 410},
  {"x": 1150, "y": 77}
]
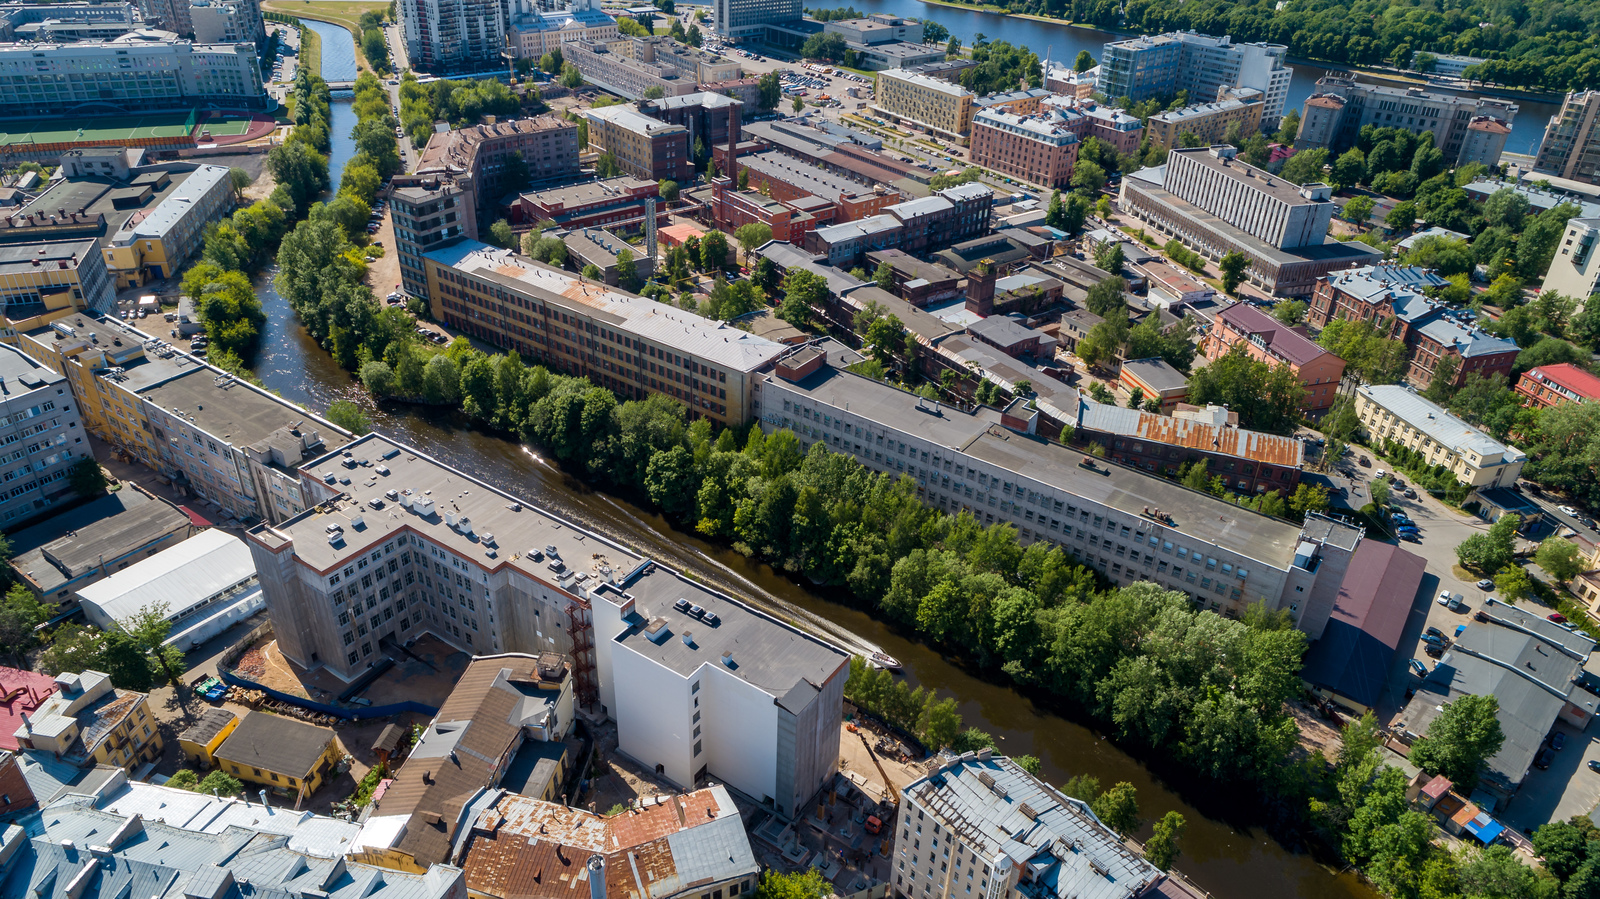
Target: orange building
[{"x": 1268, "y": 340}]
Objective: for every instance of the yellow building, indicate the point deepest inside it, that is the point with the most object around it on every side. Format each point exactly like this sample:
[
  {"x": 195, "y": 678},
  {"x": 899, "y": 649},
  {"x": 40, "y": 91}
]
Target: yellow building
[
  {"x": 940, "y": 107},
  {"x": 1391, "y": 412},
  {"x": 200, "y": 740},
  {"x": 87, "y": 721},
  {"x": 1209, "y": 122},
  {"x": 43, "y": 279},
  {"x": 277, "y": 751}
]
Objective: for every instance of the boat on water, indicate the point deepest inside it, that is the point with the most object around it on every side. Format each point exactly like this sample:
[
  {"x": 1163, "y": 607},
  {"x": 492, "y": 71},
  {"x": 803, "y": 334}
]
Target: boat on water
[{"x": 884, "y": 660}]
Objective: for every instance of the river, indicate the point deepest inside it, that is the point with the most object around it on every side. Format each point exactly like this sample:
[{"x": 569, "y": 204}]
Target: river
[
  {"x": 1061, "y": 42},
  {"x": 1222, "y": 854}
]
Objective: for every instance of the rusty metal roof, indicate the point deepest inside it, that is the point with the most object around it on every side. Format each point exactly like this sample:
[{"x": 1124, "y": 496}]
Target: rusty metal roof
[
  {"x": 524, "y": 848},
  {"x": 1253, "y": 445}
]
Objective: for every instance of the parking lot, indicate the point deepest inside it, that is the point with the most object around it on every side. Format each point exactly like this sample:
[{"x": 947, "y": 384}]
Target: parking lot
[{"x": 1565, "y": 789}]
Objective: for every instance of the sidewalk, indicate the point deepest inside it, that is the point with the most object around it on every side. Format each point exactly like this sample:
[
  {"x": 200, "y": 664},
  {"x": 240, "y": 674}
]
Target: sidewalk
[{"x": 154, "y": 483}]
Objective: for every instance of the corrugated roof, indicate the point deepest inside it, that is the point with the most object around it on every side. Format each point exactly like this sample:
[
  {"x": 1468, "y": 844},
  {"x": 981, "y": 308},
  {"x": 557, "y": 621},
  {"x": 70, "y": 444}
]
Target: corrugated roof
[
  {"x": 182, "y": 577},
  {"x": 1273, "y": 449},
  {"x": 1432, "y": 419},
  {"x": 1277, "y": 338},
  {"x": 1355, "y": 652}
]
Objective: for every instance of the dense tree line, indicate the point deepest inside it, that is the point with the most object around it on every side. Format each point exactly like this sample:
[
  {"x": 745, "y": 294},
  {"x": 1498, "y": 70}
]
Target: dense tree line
[
  {"x": 1547, "y": 44},
  {"x": 457, "y": 102},
  {"x": 374, "y": 46}
]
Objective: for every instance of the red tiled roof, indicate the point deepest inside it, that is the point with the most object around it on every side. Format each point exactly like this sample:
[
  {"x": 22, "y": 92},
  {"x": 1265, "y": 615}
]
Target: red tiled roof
[
  {"x": 20, "y": 693},
  {"x": 1281, "y": 339},
  {"x": 1571, "y": 377}
]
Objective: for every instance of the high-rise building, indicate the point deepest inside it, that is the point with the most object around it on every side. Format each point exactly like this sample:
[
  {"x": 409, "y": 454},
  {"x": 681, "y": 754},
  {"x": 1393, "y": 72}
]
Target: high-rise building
[
  {"x": 227, "y": 21},
  {"x": 1571, "y": 146},
  {"x": 1163, "y": 64},
  {"x": 1575, "y": 270},
  {"x": 47, "y": 81},
  {"x": 430, "y": 212},
  {"x": 42, "y": 437},
  {"x": 1465, "y": 128},
  {"x": 64, "y": 23},
  {"x": 449, "y": 36},
  {"x": 736, "y": 19}
]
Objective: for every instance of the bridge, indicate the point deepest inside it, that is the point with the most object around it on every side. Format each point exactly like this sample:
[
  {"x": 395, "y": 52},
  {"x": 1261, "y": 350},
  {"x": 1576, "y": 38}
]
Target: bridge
[{"x": 341, "y": 85}]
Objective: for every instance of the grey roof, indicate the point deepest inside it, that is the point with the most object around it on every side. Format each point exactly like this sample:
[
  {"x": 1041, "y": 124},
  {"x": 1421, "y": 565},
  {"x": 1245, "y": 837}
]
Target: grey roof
[
  {"x": 1526, "y": 662},
  {"x": 1470, "y": 342},
  {"x": 50, "y": 778},
  {"x": 1432, "y": 419},
  {"x": 713, "y": 852},
  {"x": 996, "y": 809},
  {"x": 1005, "y": 331},
  {"x": 175, "y": 207},
  {"x": 767, "y": 653},
  {"x": 1157, "y": 373},
  {"x": 149, "y": 858},
  {"x": 276, "y": 743},
  {"x": 787, "y": 256},
  {"x": 225, "y": 407},
  {"x": 101, "y": 539},
  {"x": 1540, "y": 200},
  {"x": 922, "y": 206},
  {"x": 918, "y": 321}
]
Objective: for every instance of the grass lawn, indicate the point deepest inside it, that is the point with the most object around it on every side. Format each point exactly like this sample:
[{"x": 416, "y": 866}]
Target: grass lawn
[
  {"x": 339, "y": 12},
  {"x": 310, "y": 51}
]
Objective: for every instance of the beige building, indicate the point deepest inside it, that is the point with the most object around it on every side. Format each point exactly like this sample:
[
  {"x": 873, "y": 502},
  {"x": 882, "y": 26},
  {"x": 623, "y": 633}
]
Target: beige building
[
  {"x": 1575, "y": 270},
  {"x": 941, "y": 107},
  {"x": 1209, "y": 122},
  {"x": 632, "y": 65},
  {"x": 646, "y": 148},
  {"x": 1391, "y": 412},
  {"x": 89, "y": 722}
]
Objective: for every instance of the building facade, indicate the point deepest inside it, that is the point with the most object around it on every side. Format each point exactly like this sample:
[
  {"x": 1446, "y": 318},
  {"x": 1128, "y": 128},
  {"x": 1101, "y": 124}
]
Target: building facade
[
  {"x": 1391, "y": 412},
  {"x": 644, "y": 147},
  {"x": 535, "y": 30},
  {"x": 156, "y": 243},
  {"x": 41, "y": 437},
  {"x": 139, "y": 72},
  {"x": 1161, "y": 65},
  {"x": 994, "y": 467},
  {"x": 1334, "y": 116},
  {"x": 1209, "y": 123},
  {"x": 87, "y": 722},
  {"x": 632, "y": 345},
  {"x": 548, "y": 145},
  {"x": 451, "y": 36},
  {"x": 631, "y": 66},
  {"x": 830, "y": 198},
  {"x": 918, "y": 227},
  {"x": 939, "y": 106},
  {"x": 1040, "y": 148},
  {"x": 1575, "y": 270},
  {"x": 617, "y": 203},
  {"x": 37, "y": 279},
  {"x": 228, "y": 22},
  {"x": 741, "y": 19},
  {"x": 430, "y": 212},
  {"x": 1544, "y": 386},
  {"x": 1571, "y": 145},
  {"x": 1268, "y": 340}
]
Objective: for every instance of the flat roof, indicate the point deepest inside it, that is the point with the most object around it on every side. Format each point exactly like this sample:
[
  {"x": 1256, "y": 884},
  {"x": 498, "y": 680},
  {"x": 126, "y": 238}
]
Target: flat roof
[
  {"x": 144, "y": 360},
  {"x": 111, "y": 538},
  {"x": 20, "y": 259},
  {"x": 617, "y": 189},
  {"x": 805, "y": 176},
  {"x": 717, "y": 342},
  {"x": 1156, "y": 373},
  {"x": 224, "y": 406},
  {"x": 182, "y": 576},
  {"x": 631, "y": 119},
  {"x": 174, "y": 206},
  {"x": 1273, "y": 449},
  {"x": 927, "y": 81},
  {"x": 767, "y": 653}
]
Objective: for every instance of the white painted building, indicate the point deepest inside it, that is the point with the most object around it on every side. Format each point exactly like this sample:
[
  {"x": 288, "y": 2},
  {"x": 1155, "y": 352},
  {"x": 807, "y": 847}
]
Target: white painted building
[
  {"x": 41, "y": 436},
  {"x": 140, "y": 71},
  {"x": 207, "y": 582},
  {"x": 1575, "y": 270},
  {"x": 1281, "y": 213}
]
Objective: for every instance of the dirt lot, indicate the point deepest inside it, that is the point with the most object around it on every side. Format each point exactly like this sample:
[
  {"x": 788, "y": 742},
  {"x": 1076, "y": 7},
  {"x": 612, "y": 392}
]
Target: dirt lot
[{"x": 426, "y": 673}]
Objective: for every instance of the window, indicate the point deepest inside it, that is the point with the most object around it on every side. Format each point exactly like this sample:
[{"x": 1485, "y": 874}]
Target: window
[{"x": 697, "y": 747}]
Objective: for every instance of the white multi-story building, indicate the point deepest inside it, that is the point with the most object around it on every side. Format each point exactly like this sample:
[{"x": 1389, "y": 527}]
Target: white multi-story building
[
  {"x": 699, "y": 683},
  {"x": 989, "y": 464},
  {"x": 737, "y": 19},
  {"x": 138, "y": 72},
  {"x": 227, "y": 21},
  {"x": 41, "y": 436},
  {"x": 979, "y": 827},
  {"x": 1161, "y": 65},
  {"x": 449, "y": 36},
  {"x": 1575, "y": 270},
  {"x": 1278, "y": 212}
]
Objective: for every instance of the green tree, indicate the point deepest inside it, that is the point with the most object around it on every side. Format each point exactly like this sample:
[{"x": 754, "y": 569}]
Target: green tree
[
  {"x": 348, "y": 415},
  {"x": 798, "y": 105},
  {"x": 1161, "y": 849},
  {"x": 570, "y": 76},
  {"x": 655, "y": 91},
  {"x": 771, "y": 90},
  {"x": 803, "y": 292},
  {"x": 1402, "y": 216},
  {"x": 1461, "y": 739},
  {"x": 148, "y": 629},
  {"x": 1233, "y": 267},
  {"x": 713, "y": 251},
  {"x": 1106, "y": 298},
  {"x": 86, "y": 477},
  {"x": 627, "y": 270},
  {"x": 1305, "y": 166},
  {"x": 1289, "y": 128},
  {"x": 1084, "y": 62},
  {"x": 1490, "y": 551},
  {"x": 1084, "y": 787},
  {"x": 1513, "y": 583},
  {"x": 668, "y": 190},
  {"x": 219, "y": 783},
  {"x": 808, "y": 885},
  {"x": 1561, "y": 558},
  {"x": 1357, "y": 210},
  {"x": 74, "y": 648},
  {"x": 1118, "y": 808},
  {"x": 20, "y": 615},
  {"x": 1088, "y": 177},
  {"x": 1442, "y": 385},
  {"x": 884, "y": 276},
  {"x": 1290, "y": 312},
  {"x": 1029, "y": 763},
  {"x": 750, "y": 236},
  {"x": 1108, "y": 257},
  {"x": 591, "y": 271},
  {"x": 500, "y": 234}
]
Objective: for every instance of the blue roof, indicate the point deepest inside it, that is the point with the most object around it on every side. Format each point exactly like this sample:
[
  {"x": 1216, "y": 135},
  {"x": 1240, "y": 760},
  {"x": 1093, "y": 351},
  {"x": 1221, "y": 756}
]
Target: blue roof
[{"x": 1485, "y": 828}]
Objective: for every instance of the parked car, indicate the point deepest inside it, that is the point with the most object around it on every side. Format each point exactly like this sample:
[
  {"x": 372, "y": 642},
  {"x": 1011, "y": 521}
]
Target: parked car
[
  {"x": 1444, "y": 598},
  {"x": 1568, "y": 510},
  {"x": 1432, "y": 640},
  {"x": 1435, "y": 632},
  {"x": 1557, "y": 617},
  {"x": 1594, "y": 764},
  {"x": 1419, "y": 669},
  {"x": 1486, "y": 584},
  {"x": 1456, "y": 603},
  {"x": 1411, "y": 494},
  {"x": 1543, "y": 760},
  {"x": 1557, "y": 740}
]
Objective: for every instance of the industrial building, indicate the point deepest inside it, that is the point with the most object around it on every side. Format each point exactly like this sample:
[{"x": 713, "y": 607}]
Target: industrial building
[{"x": 207, "y": 583}]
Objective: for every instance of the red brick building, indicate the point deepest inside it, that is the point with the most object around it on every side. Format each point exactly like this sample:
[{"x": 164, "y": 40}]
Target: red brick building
[
  {"x": 1041, "y": 148},
  {"x": 1551, "y": 385},
  {"x": 1268, "y": 340},
  {"x": 786, "y": 179},
  {"x": 731, "y": 208},
  {"x": 614, "y": 203}
]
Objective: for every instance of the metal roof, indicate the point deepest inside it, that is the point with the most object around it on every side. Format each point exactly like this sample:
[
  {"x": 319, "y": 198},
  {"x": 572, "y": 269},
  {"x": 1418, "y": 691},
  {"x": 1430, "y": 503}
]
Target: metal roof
[
  {"x": 1354, "y": 654},
  {"x": 1273, "y": 336},
  {"x": 1273, "y": 449},
  {"x": 172, "y": 210},
  {"x": 183, "y": 577},
  {"x": 1432, "y": 419},
  {"x": 276, "y": 743}
]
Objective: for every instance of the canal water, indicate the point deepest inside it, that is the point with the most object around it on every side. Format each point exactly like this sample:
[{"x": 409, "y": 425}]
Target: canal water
[
  {"x": 1061, "y": 42},
  {"x": 1224, "y": 852}
]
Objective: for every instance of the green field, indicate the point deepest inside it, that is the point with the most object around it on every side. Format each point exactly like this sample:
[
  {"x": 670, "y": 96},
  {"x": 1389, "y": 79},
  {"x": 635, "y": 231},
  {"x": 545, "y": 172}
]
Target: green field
[
  {"x": 171, "y": 124},
  {"x": 226, "y": 125}
]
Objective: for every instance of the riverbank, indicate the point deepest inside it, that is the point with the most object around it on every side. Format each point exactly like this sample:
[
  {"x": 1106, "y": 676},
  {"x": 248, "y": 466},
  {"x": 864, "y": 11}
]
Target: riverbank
[{"x": 344, "y": 13}]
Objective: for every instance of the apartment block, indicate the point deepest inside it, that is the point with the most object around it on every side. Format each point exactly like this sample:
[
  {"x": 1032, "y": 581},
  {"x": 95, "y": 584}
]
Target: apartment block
[
  {"x": 41, "y": 437},
  {"x": 429, "y": 211},
  {"x": 417, "y": 547},
  {"x": 44, "y": 81},
  {"x": 1432, "y": 331},
  {"x": 1129, "y": 526},
  {"x": 156, "y": 243},
  {"x": 617, "y": 203},
  {"x": 938, "y": 106},
  {"x": 919, "y": 227},
  {"x": 1209, "y": 123},
  {"x": 211, "y": 434},
  {"x": 646, "y": 148},
  {"x": 88, "y": 722},
  {"x": 446, "y": 37},
  {"x": 1571, "y": 145},
  {"x": 1268, "y": 340},
  {"x": 1039, "y": 148},
  {"x": 1163, "y": 64},
  {"x": 1575, "y": 270},
  {"x": 1544, "y": 386},
  {"x": 1213, "y": 202},
  {"x": 1392, "y": 412},
  {"x": 548, "y": 145},
  {"x": 786, "y": 179},
  {"x": 65, "y": 23},
  {"x": 1466, "y": 129},
  {"x": 535, "y": 31},
  {"x": 632, "y": 345},
  {"x": 228, "y": 22},
  {"x": 1002, "y": 824},
  {"x": 742, "y": 19},
  {"x": 37, "y": 279},
  {"x": 631, "y": 66}
]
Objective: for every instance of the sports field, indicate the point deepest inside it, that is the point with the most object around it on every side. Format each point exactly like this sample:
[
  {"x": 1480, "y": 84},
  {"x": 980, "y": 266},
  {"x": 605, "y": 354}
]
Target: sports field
[
  {"x": 226, "y": 124},
  {"x": 171, "y": 124}
]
